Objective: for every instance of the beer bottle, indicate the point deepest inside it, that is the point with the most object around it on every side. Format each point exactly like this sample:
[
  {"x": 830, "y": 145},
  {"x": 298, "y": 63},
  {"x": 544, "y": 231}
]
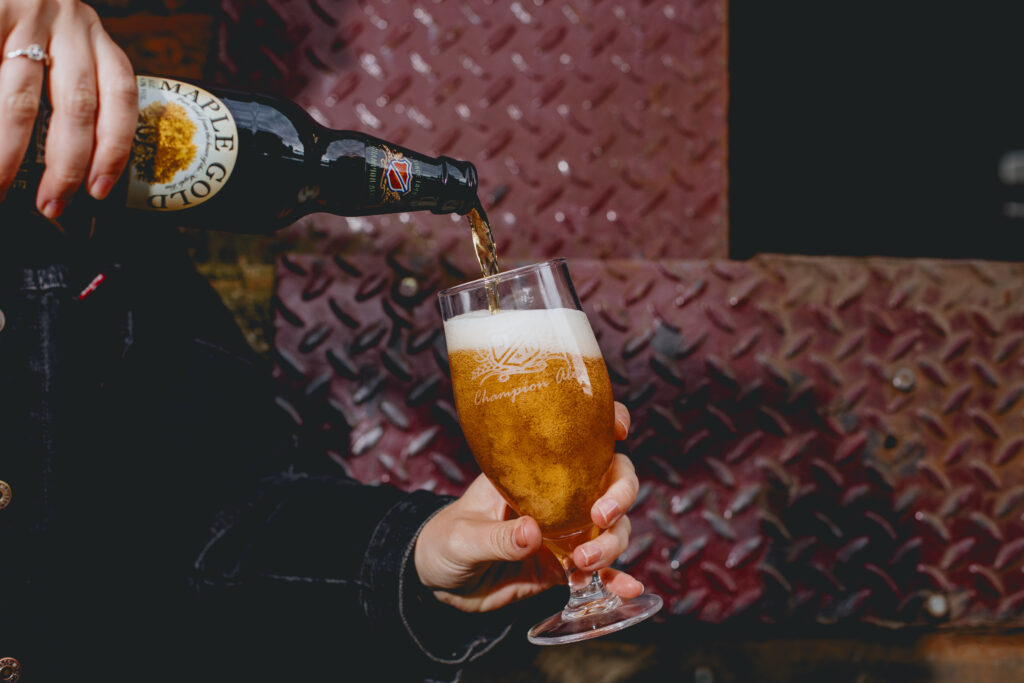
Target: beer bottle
[{"x": 215, "y": 158}]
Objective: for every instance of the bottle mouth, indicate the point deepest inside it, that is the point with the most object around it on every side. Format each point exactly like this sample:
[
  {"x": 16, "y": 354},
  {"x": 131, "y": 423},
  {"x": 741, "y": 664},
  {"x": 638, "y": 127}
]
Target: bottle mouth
[
  {"x": 460, "y": 181},
  {"x": 472, "y": 184}
]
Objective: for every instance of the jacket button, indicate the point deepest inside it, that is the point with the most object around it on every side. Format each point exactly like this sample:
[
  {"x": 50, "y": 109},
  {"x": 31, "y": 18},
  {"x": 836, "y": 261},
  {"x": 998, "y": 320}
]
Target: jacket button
[
  {"x": 10, "y": 670},
  {"x": 5, "y": 499}
]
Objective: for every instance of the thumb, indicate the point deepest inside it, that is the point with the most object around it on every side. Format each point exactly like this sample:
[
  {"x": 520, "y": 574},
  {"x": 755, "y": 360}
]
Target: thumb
[{"x": 509, "y": 541}]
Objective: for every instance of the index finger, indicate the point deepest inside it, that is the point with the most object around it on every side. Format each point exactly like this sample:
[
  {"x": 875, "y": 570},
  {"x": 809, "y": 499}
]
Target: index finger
[
  {"x": 118, "y": 114},
  {"x": 620, "y": 494},
  {"x": 622, "y": 421}
]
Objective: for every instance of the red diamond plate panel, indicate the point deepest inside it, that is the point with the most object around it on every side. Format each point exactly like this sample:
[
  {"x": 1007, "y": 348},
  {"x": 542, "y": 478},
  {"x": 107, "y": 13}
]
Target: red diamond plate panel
[
  {"x": 598, "y": 129},
  {"x": 818, "y": 439}
]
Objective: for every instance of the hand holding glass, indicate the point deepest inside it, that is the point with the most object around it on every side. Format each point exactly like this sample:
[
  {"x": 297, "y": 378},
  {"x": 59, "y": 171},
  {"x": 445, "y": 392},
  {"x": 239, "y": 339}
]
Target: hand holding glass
[{"x": 536, "y": 407}]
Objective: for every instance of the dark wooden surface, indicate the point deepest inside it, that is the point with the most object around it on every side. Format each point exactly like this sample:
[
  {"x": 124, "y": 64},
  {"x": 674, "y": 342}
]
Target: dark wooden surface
[{"x": 700, "y": 655}]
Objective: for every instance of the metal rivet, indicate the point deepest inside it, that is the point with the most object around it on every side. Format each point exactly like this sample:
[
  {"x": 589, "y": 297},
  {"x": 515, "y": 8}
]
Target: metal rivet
[
  {"x": 937, "y": 605},
  {"x": 408, "y": 287},
  {"x": 3, "y": 321},
  {"x": 904, "y": 380},
  {"x": 10, "y": 670}
]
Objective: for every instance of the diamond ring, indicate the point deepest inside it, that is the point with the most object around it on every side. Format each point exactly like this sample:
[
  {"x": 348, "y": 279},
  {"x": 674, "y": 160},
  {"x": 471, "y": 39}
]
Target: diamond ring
[{"x": 35, "y": 52}]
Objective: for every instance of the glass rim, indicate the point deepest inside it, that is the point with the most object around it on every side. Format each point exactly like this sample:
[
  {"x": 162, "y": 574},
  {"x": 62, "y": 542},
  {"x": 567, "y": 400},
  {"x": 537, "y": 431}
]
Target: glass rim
[{"x": 502, "y": 276}]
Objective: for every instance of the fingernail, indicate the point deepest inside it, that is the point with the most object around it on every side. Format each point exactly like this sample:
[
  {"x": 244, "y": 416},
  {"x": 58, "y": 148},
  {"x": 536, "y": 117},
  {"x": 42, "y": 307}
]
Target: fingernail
[
  {"x": 520, "y": 536},
  {"x": 642, "y": 589},
  {"x": 622, "y": 425},
  {"x": 590, "y": 554},
  {"x": 53, "y": 208},
  {"x": 608, "y": 509},
  {"x": 101, "y": 186}
]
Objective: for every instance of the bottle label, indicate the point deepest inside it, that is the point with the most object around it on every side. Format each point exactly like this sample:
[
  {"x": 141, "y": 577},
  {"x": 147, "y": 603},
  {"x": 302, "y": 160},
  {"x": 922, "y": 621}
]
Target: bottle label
[
  {"x": 185, "y": 146},
  {"x": 397, "y": 180},
  {"x": 392, "y": 175}
]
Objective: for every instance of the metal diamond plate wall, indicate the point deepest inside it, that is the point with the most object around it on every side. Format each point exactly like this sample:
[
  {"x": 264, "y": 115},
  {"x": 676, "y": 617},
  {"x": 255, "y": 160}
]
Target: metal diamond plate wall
[
  {"x": 818, "y": 440},
  {"x": 598, "y": 128}
]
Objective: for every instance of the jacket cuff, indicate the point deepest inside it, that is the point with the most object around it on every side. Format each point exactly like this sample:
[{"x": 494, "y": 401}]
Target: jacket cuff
[{"x": 442, "y": 634}]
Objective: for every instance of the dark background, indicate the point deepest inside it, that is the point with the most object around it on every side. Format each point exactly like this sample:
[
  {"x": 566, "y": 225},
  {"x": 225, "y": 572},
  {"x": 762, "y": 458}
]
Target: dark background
[{"x": 875, "y": 128}]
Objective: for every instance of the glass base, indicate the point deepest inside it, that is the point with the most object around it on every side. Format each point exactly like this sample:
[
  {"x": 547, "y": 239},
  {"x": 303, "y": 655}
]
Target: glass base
[{"x": 558, "y": 630}]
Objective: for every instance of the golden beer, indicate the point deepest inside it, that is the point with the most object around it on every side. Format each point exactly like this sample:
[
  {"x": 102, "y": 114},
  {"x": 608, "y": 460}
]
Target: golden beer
[
  {"x": 535, "y": 404},
  {"x": 536, "y": 407}
]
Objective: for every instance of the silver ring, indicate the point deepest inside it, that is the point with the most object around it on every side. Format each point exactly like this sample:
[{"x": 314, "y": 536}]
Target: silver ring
[{"x": 35, "y": 52}]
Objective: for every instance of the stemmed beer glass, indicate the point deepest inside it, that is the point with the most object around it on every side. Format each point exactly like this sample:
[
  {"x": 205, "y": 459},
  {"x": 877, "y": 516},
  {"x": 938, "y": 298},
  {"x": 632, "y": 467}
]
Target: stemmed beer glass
[{"x": 535, "y": 404}]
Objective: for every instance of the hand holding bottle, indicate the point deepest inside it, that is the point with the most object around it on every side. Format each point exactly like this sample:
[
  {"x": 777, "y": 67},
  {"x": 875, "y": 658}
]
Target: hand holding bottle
[{"x": 90, "y": 85}]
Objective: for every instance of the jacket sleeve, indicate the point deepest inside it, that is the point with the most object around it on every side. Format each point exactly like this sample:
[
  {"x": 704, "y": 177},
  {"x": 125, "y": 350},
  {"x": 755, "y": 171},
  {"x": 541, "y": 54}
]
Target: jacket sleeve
[
  {"x": 292, "y": 556},
  {"x": 333, "y": 558}
]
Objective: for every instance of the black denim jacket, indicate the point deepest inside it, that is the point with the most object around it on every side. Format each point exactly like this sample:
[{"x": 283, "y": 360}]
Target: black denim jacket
[{"x": 164, "y": 522}]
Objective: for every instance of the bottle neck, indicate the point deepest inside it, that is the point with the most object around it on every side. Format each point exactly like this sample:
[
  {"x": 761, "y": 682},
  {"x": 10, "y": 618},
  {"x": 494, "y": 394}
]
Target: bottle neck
[{"x": 459, "y": 187}]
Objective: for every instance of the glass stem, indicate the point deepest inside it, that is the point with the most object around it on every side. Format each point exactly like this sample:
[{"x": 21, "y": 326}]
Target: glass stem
[{"x": 587, "y": 594}]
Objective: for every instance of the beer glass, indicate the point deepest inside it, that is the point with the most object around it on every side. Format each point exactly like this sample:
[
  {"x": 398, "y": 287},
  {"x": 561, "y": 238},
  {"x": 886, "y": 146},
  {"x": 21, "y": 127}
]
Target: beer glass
[{"x": 535, "y": 404}]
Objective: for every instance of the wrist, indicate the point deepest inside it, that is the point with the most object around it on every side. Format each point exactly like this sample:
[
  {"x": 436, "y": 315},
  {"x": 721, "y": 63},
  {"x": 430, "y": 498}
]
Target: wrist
[{"x": 425, "y": 551}]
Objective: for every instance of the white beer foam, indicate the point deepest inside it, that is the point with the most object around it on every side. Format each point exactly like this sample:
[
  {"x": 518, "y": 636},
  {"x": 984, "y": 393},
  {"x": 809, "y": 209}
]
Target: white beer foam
[{"x": 558, "y": 330}]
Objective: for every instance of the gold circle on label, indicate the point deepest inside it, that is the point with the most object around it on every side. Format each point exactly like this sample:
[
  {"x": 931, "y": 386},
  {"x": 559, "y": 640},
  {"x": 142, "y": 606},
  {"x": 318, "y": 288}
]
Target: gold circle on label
[{"x": 5, "y": 494}]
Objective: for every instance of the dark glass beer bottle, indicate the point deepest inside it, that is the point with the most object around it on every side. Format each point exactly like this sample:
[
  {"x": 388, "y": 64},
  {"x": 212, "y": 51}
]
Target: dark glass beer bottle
[{"x": 215, "y": 158}]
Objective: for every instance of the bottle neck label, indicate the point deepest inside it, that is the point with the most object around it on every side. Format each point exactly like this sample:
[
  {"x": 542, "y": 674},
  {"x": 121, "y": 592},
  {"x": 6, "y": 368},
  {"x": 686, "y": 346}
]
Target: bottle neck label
[
  {"x": 391, "y": 175},
  {"x": 185, "y": 146}
]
